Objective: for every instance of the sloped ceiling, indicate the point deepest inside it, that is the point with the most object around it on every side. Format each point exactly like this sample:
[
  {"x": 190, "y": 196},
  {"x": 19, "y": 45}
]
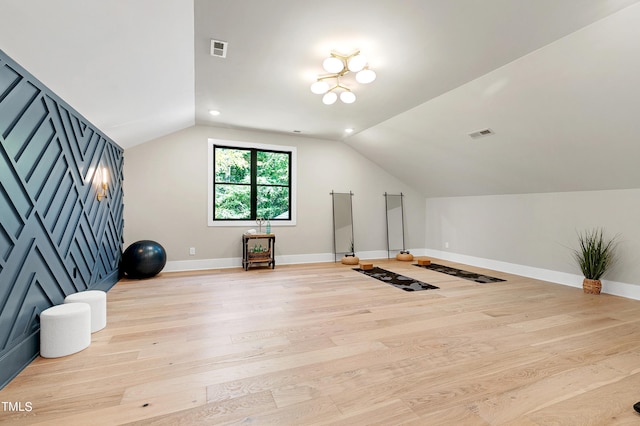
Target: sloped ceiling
[
  {"x": 127, "y": 66},
  {"x": 565, "y": 117},
  {"x": 556, "y": 80}
]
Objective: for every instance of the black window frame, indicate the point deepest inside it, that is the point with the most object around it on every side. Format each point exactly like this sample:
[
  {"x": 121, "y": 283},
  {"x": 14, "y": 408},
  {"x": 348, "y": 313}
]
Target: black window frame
[{"x": 253, "y": 183}]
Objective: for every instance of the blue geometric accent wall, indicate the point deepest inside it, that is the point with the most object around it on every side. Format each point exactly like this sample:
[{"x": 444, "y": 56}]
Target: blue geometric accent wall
[{"x": 56, "y": 238}]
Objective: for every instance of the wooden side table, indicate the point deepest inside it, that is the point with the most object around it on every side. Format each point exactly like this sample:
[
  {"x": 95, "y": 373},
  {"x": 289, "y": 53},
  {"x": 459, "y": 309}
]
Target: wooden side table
[{"x": 250, "y": 256}]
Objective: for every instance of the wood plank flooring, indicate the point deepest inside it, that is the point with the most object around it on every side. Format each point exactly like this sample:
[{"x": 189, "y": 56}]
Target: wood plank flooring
[{"x": 321, "y": 344}]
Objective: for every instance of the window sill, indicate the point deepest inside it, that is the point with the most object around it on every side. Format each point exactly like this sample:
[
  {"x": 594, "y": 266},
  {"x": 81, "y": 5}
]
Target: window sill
[{"x": 250, "y": 223}]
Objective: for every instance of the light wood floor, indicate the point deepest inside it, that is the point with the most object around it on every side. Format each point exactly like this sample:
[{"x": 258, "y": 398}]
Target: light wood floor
[{"x": 322, "y": 344}]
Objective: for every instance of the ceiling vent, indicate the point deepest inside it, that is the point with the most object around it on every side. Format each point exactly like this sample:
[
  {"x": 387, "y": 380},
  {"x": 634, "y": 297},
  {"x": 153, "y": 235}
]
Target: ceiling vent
[
  {"x": 481, "y": 133},
  {"x": 219, "y": 48}
]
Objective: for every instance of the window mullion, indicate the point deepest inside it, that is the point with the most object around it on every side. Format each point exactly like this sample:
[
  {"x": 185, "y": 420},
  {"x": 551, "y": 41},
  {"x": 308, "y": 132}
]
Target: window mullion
[
  {"x": 289, "y": 182},
  {"x": 254, "y": 184}
]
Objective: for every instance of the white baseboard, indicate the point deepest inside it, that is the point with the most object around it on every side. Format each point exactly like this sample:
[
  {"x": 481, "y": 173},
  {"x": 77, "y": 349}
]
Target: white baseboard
[
  {"x": 629, "y": 291},
  {"x": 202, "y": 264},
  {"x": 287, "y": 259},
  {"x": 294, "y": 259},
  {"x": 236, "y": 262},
  {"x": 373, "y": 254}
]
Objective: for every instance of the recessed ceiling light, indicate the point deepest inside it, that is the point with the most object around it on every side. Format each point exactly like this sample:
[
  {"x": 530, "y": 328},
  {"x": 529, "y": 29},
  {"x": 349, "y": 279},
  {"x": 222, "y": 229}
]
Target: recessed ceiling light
[
  {"x": 349, "y": 130},
  {"x": 214, "y": 112}
]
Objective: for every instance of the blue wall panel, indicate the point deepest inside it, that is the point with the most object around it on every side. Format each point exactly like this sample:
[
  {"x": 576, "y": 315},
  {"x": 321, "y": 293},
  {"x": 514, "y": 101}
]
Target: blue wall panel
[{"x": 56, "y": 238}]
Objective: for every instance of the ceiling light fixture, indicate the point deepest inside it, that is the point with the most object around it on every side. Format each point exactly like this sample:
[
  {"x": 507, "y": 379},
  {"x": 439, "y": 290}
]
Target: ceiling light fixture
[
  {"x": 338, "y": 65},
  {"x": 214, "y": 112}
]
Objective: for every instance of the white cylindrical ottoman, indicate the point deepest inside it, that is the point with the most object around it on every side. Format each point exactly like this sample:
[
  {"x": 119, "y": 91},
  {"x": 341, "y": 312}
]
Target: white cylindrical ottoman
[
  {"x": 65, "y": 329},
  {"x": 97, "y": 299}
]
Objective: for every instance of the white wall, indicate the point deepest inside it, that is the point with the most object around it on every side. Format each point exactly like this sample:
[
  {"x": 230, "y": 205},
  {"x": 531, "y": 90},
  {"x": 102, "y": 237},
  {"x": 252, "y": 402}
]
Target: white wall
[
  {"x": 165, "y": 195},
  {"x": 165, "y": 189},
  {"x": 533, "y": 234}
]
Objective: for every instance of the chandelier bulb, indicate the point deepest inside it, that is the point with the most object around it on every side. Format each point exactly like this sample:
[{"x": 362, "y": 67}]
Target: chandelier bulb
[
  {"x": 356, "y": 63},
  {"x": 319, "y": 87},
  {"x": 333, "y": 65},
  {"x": 365, "y": 76},
  {"x": 329, "y": 98},
  {"x": 348, "y": 97}
]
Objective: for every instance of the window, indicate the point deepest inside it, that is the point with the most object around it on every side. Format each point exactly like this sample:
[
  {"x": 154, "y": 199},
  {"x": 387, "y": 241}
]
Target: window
[{"x": 249, "y": 181}]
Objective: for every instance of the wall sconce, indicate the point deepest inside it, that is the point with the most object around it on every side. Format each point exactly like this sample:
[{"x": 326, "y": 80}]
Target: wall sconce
[{"x": 102, "y": 192}]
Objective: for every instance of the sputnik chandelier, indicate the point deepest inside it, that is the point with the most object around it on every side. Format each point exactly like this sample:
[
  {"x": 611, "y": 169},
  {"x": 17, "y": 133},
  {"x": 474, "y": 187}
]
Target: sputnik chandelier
[{"x": 339, "y": 65}]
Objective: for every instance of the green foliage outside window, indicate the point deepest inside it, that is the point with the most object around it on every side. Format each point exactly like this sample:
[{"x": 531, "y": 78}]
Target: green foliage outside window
[
  {"x": 233, "y": 202},
  {"x": 273, "y": 168},
  {"x": 273, "y": 202},
  {"x": 250, "y": 183},
  {"x": 233, "y": 165}
]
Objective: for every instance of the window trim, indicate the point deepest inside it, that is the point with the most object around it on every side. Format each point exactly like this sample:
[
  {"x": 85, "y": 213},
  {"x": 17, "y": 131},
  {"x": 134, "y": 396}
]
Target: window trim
[{"x": 249, "y": 145}]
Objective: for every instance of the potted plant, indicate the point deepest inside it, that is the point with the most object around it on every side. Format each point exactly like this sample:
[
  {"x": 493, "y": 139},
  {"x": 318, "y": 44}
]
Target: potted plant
[{"x": 595, "y": 256}]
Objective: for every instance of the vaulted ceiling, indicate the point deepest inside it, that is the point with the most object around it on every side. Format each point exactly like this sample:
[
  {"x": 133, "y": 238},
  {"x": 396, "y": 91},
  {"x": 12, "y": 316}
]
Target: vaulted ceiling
[{"x": 558, "y": 81}]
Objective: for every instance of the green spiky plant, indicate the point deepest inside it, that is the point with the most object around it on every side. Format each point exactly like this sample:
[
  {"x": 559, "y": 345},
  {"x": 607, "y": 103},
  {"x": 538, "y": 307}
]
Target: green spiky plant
[{"x": 596, "y": 254}]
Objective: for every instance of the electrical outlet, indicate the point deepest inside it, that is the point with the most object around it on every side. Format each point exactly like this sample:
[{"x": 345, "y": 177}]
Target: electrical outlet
[
  {"x": 192, "y": 251},
  {"x": 446, "y": 245}
]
